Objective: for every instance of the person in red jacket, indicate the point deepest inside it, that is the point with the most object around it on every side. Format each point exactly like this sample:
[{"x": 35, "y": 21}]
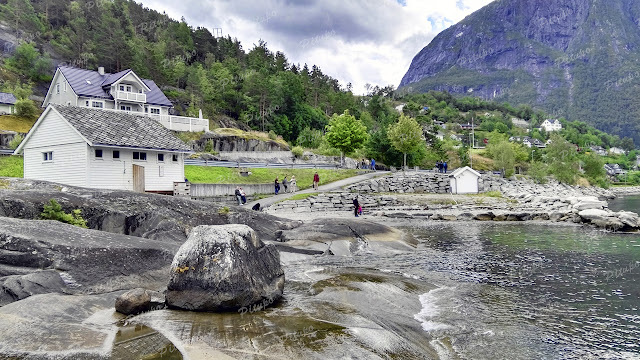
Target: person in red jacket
[{"x": 316, "y": 180}]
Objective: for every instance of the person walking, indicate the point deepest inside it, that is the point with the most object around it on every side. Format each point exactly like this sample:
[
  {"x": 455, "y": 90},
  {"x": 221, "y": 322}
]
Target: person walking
[
  {"x": 238, "y": 195},
  {"x": 445, "y": 167},
  {"x": 243, "y": 196},
  {"x": 316, "y": 180},
  {"x": 285, "y": 183},
  {"x": 277, "y": 186},
  {"x": 356, "y": 206},
  {"x": 373, "y": 164},
  {"x": 293, "y": 183}
]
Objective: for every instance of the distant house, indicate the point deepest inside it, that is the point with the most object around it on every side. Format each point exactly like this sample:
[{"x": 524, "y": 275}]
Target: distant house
[
  {"x": 400, "y": 107},
  {"x": 464, "y": 181},
  {"x": 7, "y": 103},
  {"x": 94, "y": 148},
  {"x": 122, "y": 91},
  {"x": 467, "y": 126},
  {"x": 598, "y": 150},
  {"x": 551, "y": 125},
  {"x": 613, "y": 169},
  {"x": 537, "y": 143},
  {"x": 526, "y": 141},
  {"x": 617, "y": 151}
]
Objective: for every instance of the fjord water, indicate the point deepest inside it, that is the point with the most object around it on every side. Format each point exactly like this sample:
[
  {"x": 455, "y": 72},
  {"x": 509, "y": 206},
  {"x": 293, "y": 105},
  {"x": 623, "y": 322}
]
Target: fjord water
[
  {"x": 469, "y": 290},
  {"x": 529, "y": 291}
]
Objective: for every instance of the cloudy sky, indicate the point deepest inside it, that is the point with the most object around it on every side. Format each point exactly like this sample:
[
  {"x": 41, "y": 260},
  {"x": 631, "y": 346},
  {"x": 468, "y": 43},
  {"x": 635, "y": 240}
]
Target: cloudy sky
[{"x": 357, "y": 41}]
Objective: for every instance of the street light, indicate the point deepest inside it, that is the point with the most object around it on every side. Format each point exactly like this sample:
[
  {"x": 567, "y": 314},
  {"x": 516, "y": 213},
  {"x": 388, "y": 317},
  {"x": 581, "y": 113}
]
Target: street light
[{"x": 532, "y": 151}]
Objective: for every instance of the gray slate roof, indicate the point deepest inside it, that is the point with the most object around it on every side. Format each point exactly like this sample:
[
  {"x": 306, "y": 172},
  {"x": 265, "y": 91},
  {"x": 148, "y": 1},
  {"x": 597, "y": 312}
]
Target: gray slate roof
[
  {"x": 115, "y": 128},
  {"x": 94, "y": 86},
  {"x": 7, "y": 98}
]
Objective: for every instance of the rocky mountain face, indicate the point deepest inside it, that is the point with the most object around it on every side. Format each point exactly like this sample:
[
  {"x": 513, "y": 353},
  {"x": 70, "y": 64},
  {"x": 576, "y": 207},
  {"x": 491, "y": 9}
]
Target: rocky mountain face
[{"x": 573, "y": 58}]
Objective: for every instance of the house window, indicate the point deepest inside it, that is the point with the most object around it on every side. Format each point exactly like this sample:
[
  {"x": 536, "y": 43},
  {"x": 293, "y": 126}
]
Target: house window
[
  {"x": 155, "y": 111},
  {"x": 116, "y": 154},
  {"x": 142, "y": 156},
  {"x": 125, "y": 108},
  {"x": 97, "y": 104},
  {"x": 98, "y": 154},
  {"x": 47, "y": 156},
  {"x": 128, "y": 88},
  {"x": 57, "y": 88},
  {"x": 121, "y": 87},
  {"x": 160, "y": 157},
  {"x": 175, "y": 157}
]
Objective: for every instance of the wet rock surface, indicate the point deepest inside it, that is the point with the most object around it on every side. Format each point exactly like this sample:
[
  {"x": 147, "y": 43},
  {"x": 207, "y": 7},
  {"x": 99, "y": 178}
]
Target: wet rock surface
[
  {"x": 224, "y": 268},
  {"x": 76, "y": 259}
]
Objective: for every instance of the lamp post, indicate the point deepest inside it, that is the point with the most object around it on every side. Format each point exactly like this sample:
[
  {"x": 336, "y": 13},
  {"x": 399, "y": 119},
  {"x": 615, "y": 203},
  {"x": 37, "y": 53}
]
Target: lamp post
[{"x": 532, "y": 151}]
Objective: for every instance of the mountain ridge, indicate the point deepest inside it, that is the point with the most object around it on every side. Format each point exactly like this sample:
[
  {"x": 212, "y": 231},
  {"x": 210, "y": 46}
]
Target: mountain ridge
[{"x": 572, "y": 58}]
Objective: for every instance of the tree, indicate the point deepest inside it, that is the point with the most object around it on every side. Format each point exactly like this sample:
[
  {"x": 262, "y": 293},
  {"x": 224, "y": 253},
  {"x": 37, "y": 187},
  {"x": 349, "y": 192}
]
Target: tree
[
  {"x": 627, "y": 144},
  {"x": 562, "y": 158},
  {"x": 504, "y": 157},
  {"x": 594, "y": 169},
  {"x": 405, "y": 136},
  {"x": 345, "y": 133}
]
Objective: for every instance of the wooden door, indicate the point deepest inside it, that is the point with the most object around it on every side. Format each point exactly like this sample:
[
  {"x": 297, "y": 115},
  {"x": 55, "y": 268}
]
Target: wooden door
[{"x": 138, "y": 178}]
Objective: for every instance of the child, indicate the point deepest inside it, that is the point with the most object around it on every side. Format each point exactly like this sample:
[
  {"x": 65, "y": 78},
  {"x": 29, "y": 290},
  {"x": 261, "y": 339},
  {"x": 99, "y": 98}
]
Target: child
[{"x": 360, "y": 210}]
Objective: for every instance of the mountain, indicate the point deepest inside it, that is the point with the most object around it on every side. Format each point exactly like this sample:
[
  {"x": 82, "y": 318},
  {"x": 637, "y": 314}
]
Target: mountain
[{"x": 578, "y": 59}]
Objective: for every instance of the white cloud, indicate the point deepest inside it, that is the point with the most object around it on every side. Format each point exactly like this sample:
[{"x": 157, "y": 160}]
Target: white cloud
[{"x": 357, "y": 41}]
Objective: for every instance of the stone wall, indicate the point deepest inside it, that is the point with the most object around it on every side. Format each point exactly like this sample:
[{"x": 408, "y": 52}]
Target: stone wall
[
  {"x": 420, "y": 182},
  {"x": 223, "y": 143},
  {"x": 334, "y": 202}
]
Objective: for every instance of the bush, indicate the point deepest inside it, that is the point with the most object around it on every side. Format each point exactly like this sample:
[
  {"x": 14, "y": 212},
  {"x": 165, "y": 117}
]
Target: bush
[
  {"x": 297, "y": 151},
  {"x": 53, "y": 211},
  {"x": 25, "y": 108},
  {"x": 15, "y": 142},
  {"x": 538, "y": 172},
  {"x": 208, "y": 146},
  {"x": 273, "y": 135}
]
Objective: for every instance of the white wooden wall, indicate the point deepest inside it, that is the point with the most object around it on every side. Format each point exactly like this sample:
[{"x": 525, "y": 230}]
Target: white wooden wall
[{"x": 69, "y": 165}]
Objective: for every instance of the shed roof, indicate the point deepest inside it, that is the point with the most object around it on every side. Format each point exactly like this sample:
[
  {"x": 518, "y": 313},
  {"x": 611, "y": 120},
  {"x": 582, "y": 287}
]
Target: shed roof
[{"x": 458, "y": 172}]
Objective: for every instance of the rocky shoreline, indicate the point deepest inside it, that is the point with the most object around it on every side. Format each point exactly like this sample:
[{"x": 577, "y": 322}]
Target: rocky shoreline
[{"x": 411, "y": 196}]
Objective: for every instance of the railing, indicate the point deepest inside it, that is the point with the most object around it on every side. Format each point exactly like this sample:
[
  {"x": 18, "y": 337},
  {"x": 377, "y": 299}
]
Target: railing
[
  {"x": 131, "y": 96},
  {"x": 173, "y": 122},
  {"x": 182, "y": 123}
]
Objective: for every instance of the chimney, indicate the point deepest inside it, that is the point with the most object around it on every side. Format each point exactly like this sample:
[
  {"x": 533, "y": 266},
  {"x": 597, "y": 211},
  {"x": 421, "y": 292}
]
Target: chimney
[{"x": 101, "y": 70}]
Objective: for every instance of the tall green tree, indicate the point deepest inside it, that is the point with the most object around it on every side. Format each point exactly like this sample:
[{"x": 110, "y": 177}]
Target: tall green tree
[
  {"x": 562, "y": 157},
  {"x": 346, "y": 133},
  {"x": 406, "y": 136}
]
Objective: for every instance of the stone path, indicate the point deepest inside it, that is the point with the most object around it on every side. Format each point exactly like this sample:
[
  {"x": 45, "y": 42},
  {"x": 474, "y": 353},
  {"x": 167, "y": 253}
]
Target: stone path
[{"x": 336, "y": 185}]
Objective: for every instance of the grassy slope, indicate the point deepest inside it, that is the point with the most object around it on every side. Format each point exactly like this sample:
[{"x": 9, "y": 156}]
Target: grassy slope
[
  {"x": 15, "y": 123},
  {"x": 304, "y": 177},
  {"x": 11, "y": 166}
]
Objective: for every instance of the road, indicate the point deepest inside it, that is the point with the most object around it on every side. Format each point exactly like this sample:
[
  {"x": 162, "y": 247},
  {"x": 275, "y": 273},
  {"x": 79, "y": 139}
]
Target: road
[{"x": 266, "y": 202}]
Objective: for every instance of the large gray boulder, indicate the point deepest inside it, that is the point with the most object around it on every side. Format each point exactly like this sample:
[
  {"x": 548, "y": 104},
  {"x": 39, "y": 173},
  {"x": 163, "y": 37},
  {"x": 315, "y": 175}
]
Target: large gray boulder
[
  {"x": 139, "y": 300},
  {"x": 224, "y": 268},
  {"x": 18, "y": 287}
]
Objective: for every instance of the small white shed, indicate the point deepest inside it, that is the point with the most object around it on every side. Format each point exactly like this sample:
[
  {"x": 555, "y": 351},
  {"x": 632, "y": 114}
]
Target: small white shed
[{"x": 464, "y": 181}]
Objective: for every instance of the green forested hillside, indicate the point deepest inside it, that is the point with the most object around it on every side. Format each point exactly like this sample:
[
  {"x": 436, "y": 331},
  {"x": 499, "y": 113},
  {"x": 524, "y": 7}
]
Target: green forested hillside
[{"x": 258, "y": 87}]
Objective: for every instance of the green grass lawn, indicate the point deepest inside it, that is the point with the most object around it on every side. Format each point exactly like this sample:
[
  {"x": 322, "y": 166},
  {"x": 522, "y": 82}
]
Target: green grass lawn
[
  {"x": 11, "y": 166},
  {"x": 15, "y": 123},
  {"x": 304, "y": 177}
]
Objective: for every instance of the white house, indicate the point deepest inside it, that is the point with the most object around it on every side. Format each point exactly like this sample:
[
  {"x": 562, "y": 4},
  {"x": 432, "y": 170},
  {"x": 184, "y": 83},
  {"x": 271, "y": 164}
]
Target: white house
[
  {"x": 122, "y": 91},
  {"x": 94, "y": 148},
  {"x": 7, "y": 103},
  {"x": 617, "y": 151},
  {"x": 464, "y": 181},
  {"x": 551, "y": 125}
]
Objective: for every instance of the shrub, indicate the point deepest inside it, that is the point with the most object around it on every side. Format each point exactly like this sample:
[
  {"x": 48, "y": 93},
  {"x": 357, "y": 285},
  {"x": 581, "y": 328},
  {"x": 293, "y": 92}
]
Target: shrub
[
  {"x": 53, "y": 211},
  {"x": 208, "y": 146},
  {"x": 224, "y": 210},
  {"x": 538, "y": 172},
  {"x": 273, "y": 135},
  {"x": 15, "y": 142},
  {"x": 297, "y": 151},
  {"x": 25, "y": 108}
]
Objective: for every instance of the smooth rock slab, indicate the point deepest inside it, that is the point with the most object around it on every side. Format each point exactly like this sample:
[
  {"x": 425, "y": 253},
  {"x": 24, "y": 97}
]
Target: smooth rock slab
[{"x": 224, "y": 268}]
